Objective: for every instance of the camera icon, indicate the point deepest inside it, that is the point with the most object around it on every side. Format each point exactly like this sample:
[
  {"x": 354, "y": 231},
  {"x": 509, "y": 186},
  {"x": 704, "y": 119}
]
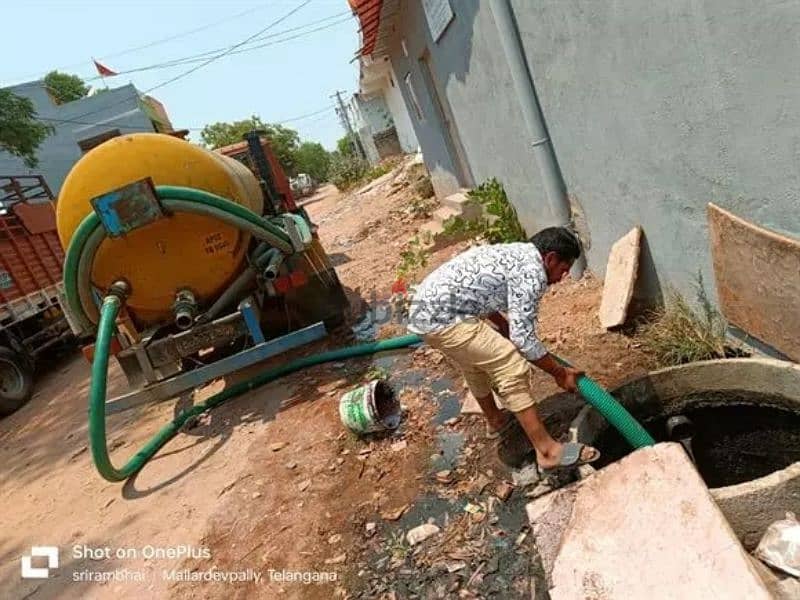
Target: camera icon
[{"x": 31, "y": 572}]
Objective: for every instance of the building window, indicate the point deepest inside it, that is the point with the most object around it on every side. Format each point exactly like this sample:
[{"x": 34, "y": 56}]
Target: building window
[
  {"x": 413, "y": 96},
  {"x": 94, "y": 141}
]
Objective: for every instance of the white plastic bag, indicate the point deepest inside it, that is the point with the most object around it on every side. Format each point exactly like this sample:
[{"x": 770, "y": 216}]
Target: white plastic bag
[{"x": 780, "y": 546}]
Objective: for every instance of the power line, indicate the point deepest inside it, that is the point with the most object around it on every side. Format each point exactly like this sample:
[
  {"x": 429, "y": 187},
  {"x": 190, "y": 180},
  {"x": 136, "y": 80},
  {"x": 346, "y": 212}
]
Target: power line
[
  {"x": 200, "y": 56},
  {"x": 229, "y": 50},
  {"x": 166, "y": 39},
  {"x": 131, "y": 127},
  {"x": 200, "y": 66}
]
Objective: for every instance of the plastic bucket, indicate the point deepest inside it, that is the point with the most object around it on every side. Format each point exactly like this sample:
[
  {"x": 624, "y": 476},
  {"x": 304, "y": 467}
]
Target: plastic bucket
[{"x": 370, "y": 408}]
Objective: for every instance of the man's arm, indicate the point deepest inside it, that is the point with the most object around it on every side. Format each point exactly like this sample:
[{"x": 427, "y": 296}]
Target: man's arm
[
  {"x": 566, "y": 377},
  {"x": 523, "y": 304}
]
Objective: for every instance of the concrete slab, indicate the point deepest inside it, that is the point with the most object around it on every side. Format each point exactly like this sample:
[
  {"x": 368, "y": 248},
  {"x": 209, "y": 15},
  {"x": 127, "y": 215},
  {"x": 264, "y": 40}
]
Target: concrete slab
[
  {"x": 644, "y": 527},
  {"x": 621, "y": 272},
  {"x": 758, "y": 279}
]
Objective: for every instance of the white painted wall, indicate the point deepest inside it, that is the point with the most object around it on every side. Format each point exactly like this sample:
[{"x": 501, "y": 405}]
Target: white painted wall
[{"x": 402, "y": 120}]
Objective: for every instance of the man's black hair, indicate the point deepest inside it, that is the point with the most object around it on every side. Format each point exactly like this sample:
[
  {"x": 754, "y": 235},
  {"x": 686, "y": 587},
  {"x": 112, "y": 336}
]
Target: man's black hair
[{"x": 559, "y": 240}]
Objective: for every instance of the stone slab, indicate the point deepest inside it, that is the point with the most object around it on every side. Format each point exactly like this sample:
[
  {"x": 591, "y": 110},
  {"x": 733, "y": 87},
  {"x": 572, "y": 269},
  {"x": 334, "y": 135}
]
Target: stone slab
[
  {"x": 758, "y": 279},
  {"x": 644, "y": 527},
  {"x": 621, "y": 272}
]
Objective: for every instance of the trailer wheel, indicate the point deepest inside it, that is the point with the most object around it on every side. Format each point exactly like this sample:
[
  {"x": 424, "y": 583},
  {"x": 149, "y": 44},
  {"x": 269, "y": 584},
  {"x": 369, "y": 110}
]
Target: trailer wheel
[{"x": 16, "y": 381}]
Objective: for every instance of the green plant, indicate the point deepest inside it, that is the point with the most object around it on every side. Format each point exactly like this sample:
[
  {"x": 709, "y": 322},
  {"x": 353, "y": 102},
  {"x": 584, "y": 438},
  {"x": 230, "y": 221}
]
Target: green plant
[
  {"x": 346, "y": 170},
  {"x": 678, "y": 333},
  {"x": 498, "y": 222},
  {"x": 65, "y": 88},
  {"x": 376, "y": 373},
  {"x": 412, "y": 258},
  {"x": 397, "y": 545}
]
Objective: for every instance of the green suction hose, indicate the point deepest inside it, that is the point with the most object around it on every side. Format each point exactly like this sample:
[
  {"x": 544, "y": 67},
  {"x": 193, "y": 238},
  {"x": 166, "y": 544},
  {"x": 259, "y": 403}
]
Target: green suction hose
[
  {"x": 97, "y": 392},
  {"x": 89, "y": 235},
  {"x": 616, "y": 414},
  {"x": 77, "y": 286}
]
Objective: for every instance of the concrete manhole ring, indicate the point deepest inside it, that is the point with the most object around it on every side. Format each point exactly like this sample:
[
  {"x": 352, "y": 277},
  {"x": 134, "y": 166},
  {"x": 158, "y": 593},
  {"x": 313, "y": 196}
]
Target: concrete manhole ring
[{"x": 749, "y": 506}]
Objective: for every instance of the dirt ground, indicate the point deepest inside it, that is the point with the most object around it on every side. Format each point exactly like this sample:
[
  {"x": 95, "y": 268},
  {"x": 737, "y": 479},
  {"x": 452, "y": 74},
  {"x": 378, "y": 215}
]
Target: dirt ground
[{"x": 272, "y": 484}]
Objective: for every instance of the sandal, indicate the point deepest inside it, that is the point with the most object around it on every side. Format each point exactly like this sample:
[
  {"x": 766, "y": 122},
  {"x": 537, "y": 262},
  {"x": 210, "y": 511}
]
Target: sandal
[
  {"x": 571, "y": 458},
  {"x": 493, "y": 434}
]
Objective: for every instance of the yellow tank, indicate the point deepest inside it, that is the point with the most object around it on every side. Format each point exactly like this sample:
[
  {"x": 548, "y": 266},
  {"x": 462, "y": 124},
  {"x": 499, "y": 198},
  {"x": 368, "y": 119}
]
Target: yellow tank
[{"x": 183, "y": 251}]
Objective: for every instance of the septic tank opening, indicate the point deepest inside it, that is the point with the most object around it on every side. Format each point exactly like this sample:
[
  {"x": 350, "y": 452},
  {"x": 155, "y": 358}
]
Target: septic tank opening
[{"x": 732, "y": 442}]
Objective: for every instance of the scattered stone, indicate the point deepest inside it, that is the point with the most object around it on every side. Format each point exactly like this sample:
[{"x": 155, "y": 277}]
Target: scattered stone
[
  {"x": 370, "y": 528},
  {"x": 521, "y": 538},
  {"x": 278, "y": 446},
  {"x": 291, "y": 465},
  {"x": 454, "y": 566},
  {"x": 335, "y": 538},
  {"x": 393, "y": 515},
  {"x": 525, "y": 476},
  {"x": 480, "y": 483},
  {"x": 451, "y": 421},
  {"x": 336, "y": 560},
  {"x": 339, "y": 461},
  {"x": 540, "y": 490},
  {"x": 421, "y": 533},
  {"x": 303, "y": 485},
  {"x": 338, "y": 365},
  {"x": 256, "y": 495},
  {"x": 443, "y": 476},
  {"x": 472, "y": 508},
  {"x": 398, "y": 446},
  {"x": 345, "y": 452},
  {"x": 503, "y": 490}
]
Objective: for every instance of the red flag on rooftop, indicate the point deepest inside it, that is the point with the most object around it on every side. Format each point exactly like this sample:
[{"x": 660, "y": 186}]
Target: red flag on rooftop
[{"x": 103, "y": 70}]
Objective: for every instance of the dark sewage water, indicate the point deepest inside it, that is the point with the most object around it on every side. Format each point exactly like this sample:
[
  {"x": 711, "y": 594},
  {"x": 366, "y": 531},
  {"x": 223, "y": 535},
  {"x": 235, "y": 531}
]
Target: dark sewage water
[{"x": 731, "y": 443}]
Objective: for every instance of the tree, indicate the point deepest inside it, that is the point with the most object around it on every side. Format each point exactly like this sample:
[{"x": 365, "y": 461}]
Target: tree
[
  {"x": 313, "y": 159},
  {"x": 344, "y": 145},
  {"x": 283, "y": 141},
  {"x": 65, "y": 88},
  {"x": 21, "y": 133}
]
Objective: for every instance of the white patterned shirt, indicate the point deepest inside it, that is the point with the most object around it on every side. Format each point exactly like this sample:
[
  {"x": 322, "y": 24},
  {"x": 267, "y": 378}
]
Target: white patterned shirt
[{"x": 484, "y": 280}]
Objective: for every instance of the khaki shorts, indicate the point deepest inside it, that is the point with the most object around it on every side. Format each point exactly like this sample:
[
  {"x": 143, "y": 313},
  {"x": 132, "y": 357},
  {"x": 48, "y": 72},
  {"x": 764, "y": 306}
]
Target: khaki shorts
[{"x": 488, "y": 361}]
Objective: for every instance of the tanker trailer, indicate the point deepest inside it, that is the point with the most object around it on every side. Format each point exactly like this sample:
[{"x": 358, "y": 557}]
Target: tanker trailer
[{"x": 211, "y": 268}]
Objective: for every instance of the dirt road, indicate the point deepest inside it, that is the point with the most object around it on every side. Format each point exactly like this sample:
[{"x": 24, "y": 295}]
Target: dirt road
[{"x": 270, "y": 484}]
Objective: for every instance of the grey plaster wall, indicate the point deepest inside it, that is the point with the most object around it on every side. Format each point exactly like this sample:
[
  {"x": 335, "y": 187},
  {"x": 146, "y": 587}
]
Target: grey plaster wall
[
  {"x": 79, "y": 120},
  {"x": 656, "y": 109},
  {"x": 470, "y": 74}
]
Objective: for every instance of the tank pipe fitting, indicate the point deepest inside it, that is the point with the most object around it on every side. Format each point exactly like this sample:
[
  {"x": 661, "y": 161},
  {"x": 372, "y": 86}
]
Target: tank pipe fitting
[
  {"x": 269, "y": 263},
  {"x": 185, "y": 308}
]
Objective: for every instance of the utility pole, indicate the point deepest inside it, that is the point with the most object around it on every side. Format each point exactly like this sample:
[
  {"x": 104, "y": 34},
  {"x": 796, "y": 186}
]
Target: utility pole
[{"x": 341, "y": 110}]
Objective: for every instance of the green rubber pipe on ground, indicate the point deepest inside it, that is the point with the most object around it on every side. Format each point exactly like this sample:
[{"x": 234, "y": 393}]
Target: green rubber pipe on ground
[{"x": 97, "y": 392}]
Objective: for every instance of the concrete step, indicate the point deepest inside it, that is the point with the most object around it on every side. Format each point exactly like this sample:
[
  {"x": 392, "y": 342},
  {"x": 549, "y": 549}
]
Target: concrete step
[
  {"x": 443, "y": 213},
  {"x": 462, "y": 203}
]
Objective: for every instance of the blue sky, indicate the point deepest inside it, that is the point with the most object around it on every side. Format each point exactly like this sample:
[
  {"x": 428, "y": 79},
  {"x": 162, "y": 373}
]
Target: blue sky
[{"x": 281, "y": 81}]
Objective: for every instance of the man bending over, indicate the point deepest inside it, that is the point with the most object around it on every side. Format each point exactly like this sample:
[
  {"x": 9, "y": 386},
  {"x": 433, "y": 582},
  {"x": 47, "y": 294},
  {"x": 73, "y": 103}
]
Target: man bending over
[{"x": 450, "y": 309}]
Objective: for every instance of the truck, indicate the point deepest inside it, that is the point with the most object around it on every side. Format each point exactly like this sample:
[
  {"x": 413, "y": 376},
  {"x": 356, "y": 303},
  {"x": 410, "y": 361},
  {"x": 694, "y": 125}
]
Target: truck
[{"x": 31, "y": 261}]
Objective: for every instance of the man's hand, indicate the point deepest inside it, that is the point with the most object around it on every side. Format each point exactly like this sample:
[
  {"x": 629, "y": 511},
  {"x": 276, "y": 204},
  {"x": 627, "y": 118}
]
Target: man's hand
[{"x": 567, "y": 378}]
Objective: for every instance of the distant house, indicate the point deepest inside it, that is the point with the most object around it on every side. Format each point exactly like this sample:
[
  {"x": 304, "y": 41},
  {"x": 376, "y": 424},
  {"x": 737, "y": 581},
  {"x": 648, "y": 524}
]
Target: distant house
[
  {"x": 379, "y": 111},
  {"x": 649, "y": 112},
  {"x": 81, "y": 125}
]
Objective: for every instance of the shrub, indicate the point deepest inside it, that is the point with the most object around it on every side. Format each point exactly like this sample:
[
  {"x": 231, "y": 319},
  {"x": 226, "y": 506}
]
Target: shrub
[
  {"x": 345, "y": 171},
  {"x": 678, "y": 333},
  {"x": 497, "y": 224}
]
